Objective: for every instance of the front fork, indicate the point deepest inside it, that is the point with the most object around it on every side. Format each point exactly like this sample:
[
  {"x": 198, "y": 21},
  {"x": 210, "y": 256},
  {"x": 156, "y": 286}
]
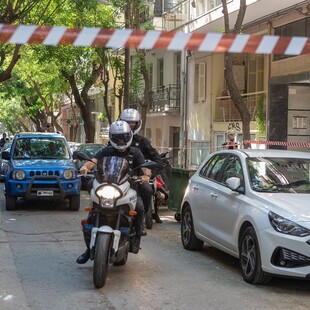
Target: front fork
[{"x": 115, "y": 234}]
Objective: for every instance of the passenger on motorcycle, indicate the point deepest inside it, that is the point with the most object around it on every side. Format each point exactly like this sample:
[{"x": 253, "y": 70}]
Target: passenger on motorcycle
[
  {"x": 120, "y": 135},
  {"x": 132, "y": 117}
]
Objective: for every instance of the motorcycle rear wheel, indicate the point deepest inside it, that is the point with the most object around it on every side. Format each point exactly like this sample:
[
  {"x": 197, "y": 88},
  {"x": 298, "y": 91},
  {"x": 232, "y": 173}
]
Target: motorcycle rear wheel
[{"x": 101, "y": 261}]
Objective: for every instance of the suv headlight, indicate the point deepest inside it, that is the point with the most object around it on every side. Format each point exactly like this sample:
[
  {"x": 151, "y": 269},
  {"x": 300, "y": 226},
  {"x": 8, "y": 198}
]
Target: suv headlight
[
  {"x": 19, "y": 175},
  {"x": 285, "y": 226},
  {"x": 108, "y": 192},
  {"x": 69, "y": 174}
]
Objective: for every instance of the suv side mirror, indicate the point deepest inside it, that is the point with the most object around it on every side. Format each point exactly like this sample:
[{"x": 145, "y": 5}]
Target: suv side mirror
[{"x": 6, "y": 155}]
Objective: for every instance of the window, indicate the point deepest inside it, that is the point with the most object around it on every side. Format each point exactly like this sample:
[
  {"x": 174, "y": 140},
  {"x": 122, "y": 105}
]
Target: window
[
  {"x": 41, "y": 148},
  {"x": 151, "y": 76},
  {"x": 213, "y": 166},
  {"x": 160, "y": 72},
  {"x": 199, "y": 152},
  {"x": 232, "y": 169},
  {"x": 300, "y": 122},
  {"x": 255, "y": 73},
  {"x": 177, "y": 59},
  {"x": 159, "y": 135},
  {"x": 200, "y": 82},
  {"x": 148, "y": 134},
  {"x": 299, "y": 28}
]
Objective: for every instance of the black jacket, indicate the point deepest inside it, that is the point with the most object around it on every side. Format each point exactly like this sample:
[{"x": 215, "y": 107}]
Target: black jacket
[
  {"x": 144, "y": 145},
  {"x": 133, "y": 155}
]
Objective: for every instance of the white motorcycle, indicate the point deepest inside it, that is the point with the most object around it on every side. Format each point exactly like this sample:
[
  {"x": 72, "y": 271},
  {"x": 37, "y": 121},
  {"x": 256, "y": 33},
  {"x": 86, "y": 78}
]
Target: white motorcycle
[{"x": 111, "y": 223}]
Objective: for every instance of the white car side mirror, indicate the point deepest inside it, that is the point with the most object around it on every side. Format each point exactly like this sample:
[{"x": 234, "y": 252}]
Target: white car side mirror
[{"x": 233, "y": 183}]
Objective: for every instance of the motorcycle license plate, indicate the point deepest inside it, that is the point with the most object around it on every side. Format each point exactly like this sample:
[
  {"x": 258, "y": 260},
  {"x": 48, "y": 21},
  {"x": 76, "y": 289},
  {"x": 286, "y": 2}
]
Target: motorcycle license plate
[{"x": 45, "y": 193}]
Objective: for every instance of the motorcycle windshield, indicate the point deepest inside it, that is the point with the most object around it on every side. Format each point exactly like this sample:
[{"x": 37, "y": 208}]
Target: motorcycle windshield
[{"x": 112, "y": 169}]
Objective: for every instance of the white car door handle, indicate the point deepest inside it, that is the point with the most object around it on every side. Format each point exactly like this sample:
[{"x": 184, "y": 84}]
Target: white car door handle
[{"x": 213, "y": 195}]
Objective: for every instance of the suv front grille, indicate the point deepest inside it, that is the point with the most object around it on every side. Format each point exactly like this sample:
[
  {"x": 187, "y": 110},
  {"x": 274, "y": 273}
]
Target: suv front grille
[{"x": 43, "y": 172}]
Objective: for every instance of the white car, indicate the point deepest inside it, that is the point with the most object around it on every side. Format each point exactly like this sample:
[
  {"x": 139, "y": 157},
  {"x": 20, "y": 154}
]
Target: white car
[{"x": 254, "y": 205}]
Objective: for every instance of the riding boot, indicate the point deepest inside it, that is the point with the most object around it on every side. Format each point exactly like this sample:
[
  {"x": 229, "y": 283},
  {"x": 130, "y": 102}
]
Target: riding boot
[
  {"x": 156, "y": 216},
  {"x": 143, "y": 233},
  {"x": 136, "y": 245},
  {"x": 83, "y": 258}
]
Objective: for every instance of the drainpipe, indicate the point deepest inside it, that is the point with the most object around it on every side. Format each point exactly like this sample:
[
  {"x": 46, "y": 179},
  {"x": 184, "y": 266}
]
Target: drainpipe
[{"x": 184, "y": 114}]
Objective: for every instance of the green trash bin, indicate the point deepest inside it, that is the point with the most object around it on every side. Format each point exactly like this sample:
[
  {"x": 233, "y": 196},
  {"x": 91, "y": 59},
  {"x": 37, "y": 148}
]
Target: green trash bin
[{"x": 178, "y": 183}]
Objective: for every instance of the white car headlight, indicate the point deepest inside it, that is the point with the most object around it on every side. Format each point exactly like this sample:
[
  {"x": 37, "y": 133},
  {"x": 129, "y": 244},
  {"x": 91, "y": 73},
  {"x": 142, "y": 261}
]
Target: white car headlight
[
  {"x": 108, "y": 192},
  {"x": 69, "y": 174},
  {"x": 19, "y": 175},
  {"x": 285, "y": 226}
]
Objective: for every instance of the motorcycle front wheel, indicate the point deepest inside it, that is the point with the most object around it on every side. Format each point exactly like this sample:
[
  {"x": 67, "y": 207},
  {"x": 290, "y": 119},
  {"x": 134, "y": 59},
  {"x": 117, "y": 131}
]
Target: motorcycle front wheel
[{"x": 101, "y": 261}]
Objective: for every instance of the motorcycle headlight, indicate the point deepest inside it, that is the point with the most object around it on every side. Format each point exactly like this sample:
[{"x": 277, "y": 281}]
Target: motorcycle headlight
[
  {"x": 69, "y": 174},
  {"x": 285, "y": 226},
  {"x": 19, "y": 175},
  {"x": 108, "y": 192}
]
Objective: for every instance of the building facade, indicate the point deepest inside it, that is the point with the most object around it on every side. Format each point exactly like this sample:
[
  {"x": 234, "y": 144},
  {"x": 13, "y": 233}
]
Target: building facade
[{"x": 268, "y": 81}]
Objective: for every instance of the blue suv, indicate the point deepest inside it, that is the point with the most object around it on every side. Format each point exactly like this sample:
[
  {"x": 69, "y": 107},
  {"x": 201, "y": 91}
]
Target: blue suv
[{"x": 41, "y": 167}]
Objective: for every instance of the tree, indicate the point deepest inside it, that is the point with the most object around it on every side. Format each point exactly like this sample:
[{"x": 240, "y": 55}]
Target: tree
[
  {"x": 229, "y": 76},
  {"x": 77, "y": 67},
  {"x": 20, "y": 12}
]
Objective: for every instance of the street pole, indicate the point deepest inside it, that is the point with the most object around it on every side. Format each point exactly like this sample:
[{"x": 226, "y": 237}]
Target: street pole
[{"x": 127, "y": 59}]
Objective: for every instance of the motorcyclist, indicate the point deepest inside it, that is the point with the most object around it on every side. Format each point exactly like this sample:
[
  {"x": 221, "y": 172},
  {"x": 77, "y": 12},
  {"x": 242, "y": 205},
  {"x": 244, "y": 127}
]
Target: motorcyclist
[
  {"x": 121, "y": 136},
  {"x": 132, "y": 117}
]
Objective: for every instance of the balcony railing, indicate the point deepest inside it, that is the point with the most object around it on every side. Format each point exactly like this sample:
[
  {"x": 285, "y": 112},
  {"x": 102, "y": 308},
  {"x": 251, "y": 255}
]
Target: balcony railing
[
  {"x": 187, "y": 11},
  {"x": 165, "y": 99},
  {"x": 225, "y": 110}
]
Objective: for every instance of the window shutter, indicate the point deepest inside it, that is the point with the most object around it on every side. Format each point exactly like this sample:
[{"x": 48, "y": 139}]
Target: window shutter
[{"x": 202, "y": 82}]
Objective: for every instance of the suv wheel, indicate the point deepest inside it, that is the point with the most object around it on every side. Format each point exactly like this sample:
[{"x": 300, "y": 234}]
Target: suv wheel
[
  {"x": 10, "y": 203},
  {"x": 74, "y": 202}
]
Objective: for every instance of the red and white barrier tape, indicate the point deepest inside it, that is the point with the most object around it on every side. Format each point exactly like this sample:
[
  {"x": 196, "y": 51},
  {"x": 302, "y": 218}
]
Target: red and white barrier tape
[
  {"x": 281, "y": 143},
  {"x": 111, "y": 38}
]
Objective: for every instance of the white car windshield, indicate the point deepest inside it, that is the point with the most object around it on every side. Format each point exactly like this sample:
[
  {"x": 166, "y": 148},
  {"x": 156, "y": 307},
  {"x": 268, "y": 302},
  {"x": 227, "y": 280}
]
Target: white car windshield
[
  {"x": 284, "y": 175},
  {"x": 41, "y": 148}
]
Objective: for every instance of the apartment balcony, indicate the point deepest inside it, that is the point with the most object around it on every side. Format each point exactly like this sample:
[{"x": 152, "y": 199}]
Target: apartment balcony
[
  {"x": 165, "y": 99},
  {"x": 187, "y": 11},
  {"x": 225, "y": 110}
]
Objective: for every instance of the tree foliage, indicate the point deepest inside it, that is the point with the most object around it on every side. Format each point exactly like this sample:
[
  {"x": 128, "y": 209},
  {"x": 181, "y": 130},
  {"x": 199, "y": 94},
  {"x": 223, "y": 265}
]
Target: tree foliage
[{"x": 46, "y": 71}]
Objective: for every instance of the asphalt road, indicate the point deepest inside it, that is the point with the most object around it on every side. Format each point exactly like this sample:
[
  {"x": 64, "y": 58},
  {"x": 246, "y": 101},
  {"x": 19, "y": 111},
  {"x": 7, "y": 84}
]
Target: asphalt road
[{"x": 39, "y": 243}]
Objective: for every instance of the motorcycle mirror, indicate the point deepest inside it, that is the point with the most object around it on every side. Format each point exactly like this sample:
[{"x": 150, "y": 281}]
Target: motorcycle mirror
[
  {"x": 81, "y": 156},
  {"x": 149, "y": 164}
]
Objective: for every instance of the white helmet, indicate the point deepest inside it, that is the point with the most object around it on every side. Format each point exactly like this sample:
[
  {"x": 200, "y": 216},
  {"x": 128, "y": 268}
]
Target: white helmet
[
  {"x": 132, "y": 115},
  {"x": 120, "y": 135}
]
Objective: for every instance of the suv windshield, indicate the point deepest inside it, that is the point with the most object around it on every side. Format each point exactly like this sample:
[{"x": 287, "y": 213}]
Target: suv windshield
[
  {"x": 41, "y": 148},
  {"x": 283, "y": 175}
]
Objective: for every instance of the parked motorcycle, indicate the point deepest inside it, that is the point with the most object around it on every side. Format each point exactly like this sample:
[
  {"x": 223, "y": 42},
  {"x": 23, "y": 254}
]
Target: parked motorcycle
[
  {"x": 111, "y": 223},
  {"x": 160, "y": 186}
]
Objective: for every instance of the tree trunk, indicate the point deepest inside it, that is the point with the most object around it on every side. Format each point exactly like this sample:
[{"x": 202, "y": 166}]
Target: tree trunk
[
  {"x": 144, "y": 103},
  {"x": 229, "y": 76},
  {"x": 236, "y": 98},
  {"x": 85, "y": 108},
  {"x": 7, "y": 73}
]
